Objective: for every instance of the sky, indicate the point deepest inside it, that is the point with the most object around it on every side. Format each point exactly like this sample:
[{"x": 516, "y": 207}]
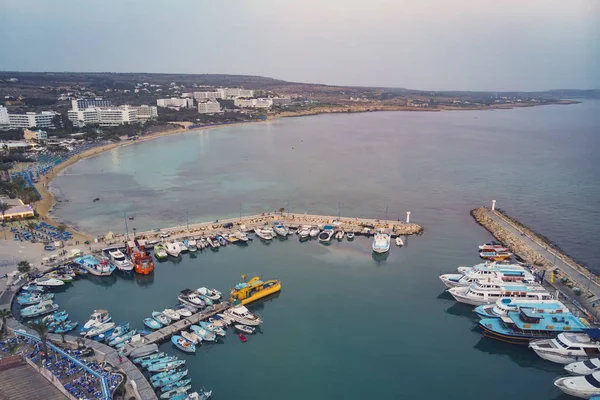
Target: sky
[{"x": 420, "y": 44}]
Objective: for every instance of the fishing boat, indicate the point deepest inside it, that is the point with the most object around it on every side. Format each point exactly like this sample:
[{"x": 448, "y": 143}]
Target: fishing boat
[
  {"x": 212, "y": 328},
  {"x": 155, "y": 356},
  {"x": 304, "y": 231},
  {"x": 94, "y": 266},
  {"x": 152, "y": 323},
  {"x": 183, "y": 344},
  {"x": 174, "y": 392},
  {"x": 182, "y": 311},
  {"x": 192, "y": 337},
  {"x": 492, "y": 246},
  {"x": 222, "y": 241},
  {"x": 399, "y": 241},
  {"x": 205, "y": 335},
  {"x": 160, "y": 317},
  {"x": 228, "y": 321},
  {"x": 48, "y": 282},
  {"x": 245, "y": 329},
  {"x": 568, "y": 347},
  {"x": 584, "y": 387},
  {"x": 160, "y": 252},
  {"x": 219, "y": 321},
  {"x": 513, "y": 274},
  {"x": 97, "y": 317},
  {"x": 66, "y": 278},
  {"x": 118, "y": 331},
  {"x": 182, "y": 247},
  {"x": 280, "y": 229},
  {"x": 204, "y": 243},
  {"x": 495, "y": 255},
  {"x": 263, "y": 233},
  {"x": 211, "y": 243},
  {"x": 350, "y": 235},
  {"x": 172, "y": 314},
  {"x": 27, "y": 299},
  {"x": 241, "y": 236},
  {"x": 143, "y": 262},
  {"x": 65, "y": 326},
  {"x": 381, "y": 242},
  {"x": 144, "y": 350},
  {"x": 118, "y": 259},
  {"x": 212, "y": 294},
  {"x": 519, "y": 327},
  {"x": 254, "y": 289},
  {"x": 123, "y": 338},
  {"x": 242, "y": 315},
  {"x": 98, "y": 329},
  {"x": 191, "y": 297},
  {"x": 314, "y": 231},
  {"x": 173, "y": 249},
  {"x": 486, "y": 293},
  {"x": 165, "y": 378},
  {"x": 43, "y": 307},
  {"x": 327, "y": 234},
  {"x": 32, "y": 287},
  {"x": 175, "y": 385},
  {"x": 584, "y": 367},
  {"x": 165, "y": 366},
  {"x": 56, "y": 316},
  {"x": 231, "y": 238},
  {"x": 503, "y": 306},
  {"x": 148, "y": 362},
  {"x": 243, "y": 338},
  {"x": 339, "y": 235}
]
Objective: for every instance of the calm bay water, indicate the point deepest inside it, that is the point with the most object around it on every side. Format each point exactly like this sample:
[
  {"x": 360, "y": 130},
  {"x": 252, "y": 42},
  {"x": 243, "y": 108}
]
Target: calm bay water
[{"x": 346, "y": 324}]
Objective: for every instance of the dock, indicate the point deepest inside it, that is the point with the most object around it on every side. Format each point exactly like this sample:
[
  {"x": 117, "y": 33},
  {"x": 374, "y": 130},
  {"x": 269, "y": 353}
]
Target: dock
[{"x": 165, "y": 333}]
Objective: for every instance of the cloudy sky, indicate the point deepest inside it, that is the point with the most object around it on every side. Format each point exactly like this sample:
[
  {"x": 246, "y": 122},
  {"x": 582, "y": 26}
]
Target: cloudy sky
[{"x": 420, "y": 44}]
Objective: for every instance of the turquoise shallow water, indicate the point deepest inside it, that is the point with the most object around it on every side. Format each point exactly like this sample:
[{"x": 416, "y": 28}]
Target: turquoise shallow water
[{"x": 348, "y": 325}]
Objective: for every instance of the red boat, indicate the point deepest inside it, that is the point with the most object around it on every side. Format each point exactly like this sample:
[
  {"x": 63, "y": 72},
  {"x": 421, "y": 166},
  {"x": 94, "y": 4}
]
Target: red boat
[{"x": 242, "y": 338}]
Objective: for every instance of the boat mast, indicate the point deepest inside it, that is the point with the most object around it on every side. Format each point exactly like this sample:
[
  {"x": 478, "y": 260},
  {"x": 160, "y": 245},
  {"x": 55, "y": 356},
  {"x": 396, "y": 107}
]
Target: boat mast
[
  {"x": 339, "y": 205},
  {"x": 240, "y": 211},
  {"x": 187, "y": 219},
  {"x": 126, "y": 230},
  {"x": 386, "y": 215}
]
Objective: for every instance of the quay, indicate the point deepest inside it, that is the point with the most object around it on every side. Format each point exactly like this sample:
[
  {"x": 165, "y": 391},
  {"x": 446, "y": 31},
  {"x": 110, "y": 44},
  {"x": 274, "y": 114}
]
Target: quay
[
  {"x": 166, "y": 332},
  {"x": 575, "y": 282}
]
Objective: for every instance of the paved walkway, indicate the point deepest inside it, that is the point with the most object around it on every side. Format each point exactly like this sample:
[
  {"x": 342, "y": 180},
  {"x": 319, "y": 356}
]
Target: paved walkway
[{"x": 23, "y": 382}]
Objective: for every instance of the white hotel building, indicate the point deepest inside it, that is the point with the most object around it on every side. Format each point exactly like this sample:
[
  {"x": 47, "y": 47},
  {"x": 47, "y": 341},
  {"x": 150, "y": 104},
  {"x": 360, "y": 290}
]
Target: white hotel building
[
  {"x": 209, "y": 107},
  {"x": 104, "y": 116},
  {"x": 224, "y": 93},
  {"x": 175, "y": 102},
  {"x": 45, "y": 119}
]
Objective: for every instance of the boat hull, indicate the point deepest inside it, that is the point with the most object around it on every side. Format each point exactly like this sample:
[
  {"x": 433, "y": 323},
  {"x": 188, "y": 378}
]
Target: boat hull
[{"x": 263, "y": 293}]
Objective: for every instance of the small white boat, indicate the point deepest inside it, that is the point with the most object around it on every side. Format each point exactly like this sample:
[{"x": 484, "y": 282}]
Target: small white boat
[
  {"x": 399, "y": 241},
  {"x": 98, "y": 329},
  {"x": 118, "y": 259},
  {"x": 314, "y": 231},
  {"x": 381, "y": 242},
  {"x": 173, "y": 249},
  {"x": 583, "y": 387},
  {"x": 263, "y": 233},
  {"x": 182, "y": 247},
  {"x": 171, "y": 314},
  {"x": 242, "y": 315},
  {"x": 192, "y": 245},
  {"x": 339, "y": 235},
  {"x": 97, "y": 317},
  {"x": 566, "y": 348},
  {"x": 191, "y": 297},
  {"x": 212, "y": 294},
  {"x": 327, "y": 234},
  {"x": 192, "y": 337},
  {"x": 584, "y": 367},
  {"x": 225, "y": 318},
  {"x": 241, "y": 236},
  {"x": 245, "y": 328},
  {"x": 350, "y": 235},
  {"x": 48, "y": 282},
  {"x": 280, "y": 229},
  {"x": 183, "y": 311},
  {"x": 304, "y": 231}
]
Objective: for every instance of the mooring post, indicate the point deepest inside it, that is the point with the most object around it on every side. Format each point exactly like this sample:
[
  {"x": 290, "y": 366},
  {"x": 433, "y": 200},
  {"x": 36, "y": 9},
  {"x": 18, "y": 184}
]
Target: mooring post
[
  {"x": 493, "y": 205},
  {"x": 408, "y": 217}
]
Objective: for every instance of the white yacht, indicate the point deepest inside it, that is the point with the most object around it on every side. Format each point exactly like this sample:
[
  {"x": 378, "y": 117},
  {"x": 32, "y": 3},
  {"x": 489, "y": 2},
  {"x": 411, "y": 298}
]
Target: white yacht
[
  {"x": 399, "y": 241},
  {"x": 192, "y": 245},
  {"x": 327, "y": 234},
  {"x": 510, "y": 274},
  {"x": 583, "y": 387},
  {"x": 172, "y": 314},
  {"x": 98, "y": 317},
  {"x": 264, "y": 233},
  {"x": 280, "y": 229},
  {"x": 212, "y": 294},
  {"x": 381, "y": 242},
  {"x": 241, "y": 236},
  {"x": 304, "y": 231},
  {"x": 191, "y": 297},
  {"x": 566, "y": 348},
  {"x": 584, "y": 367},
  {"x": 487, "y": 293},
  {"x": 314, "y": 231},
  {"x": 173, "y": 249},
  {"x": 182, "y": 247},
  {"x": 491, "y": 265},
  {"x": 339, "y": 235},
  {"x": 98, "y": 329},
  {"x": 503, "y": 306},
  {"x": 242, "y": 315},
  {"x": 118, "y": 259},
  {"x": 48, "y": 282}
]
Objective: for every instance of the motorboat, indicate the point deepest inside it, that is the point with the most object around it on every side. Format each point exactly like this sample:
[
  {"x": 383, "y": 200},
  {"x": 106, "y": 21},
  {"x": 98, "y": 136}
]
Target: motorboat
[
  {"x": 152, "y": 323},
  {"x": 160, "y": 317},
  {"x": 254, "y": 289},
  {"x": 123, "y": 338},
  {"x": 503, "y": 306},
  {"x": 66, "y": 278},
  {"x": 172, "y": 314},
  {"x": 97, "y": 317},
  {"x": 242, "y": 315},
  {"x": 381, "y": 242},
  {"x": 173, "y": 249},
  {"x": 264, "y": 233},
  {"x": 212, "y": 294},
  {"x": 366, "y": 231},
  {"x": 94, "y": 266},
  {"x": 495, "y": 255},
  {"x": 304, "y": 231},
  {"x": 143, "y": 262},
  {"x": 191, "y": 297},
  {"x": 228, "y": 321},
  {"x": 327, "y": 233},
  {"x": 118, "y": 259},
  {"x": 399, "y": 241},
  {"x": 43, "y": 307},
  {"x": 65, "y": 326},
  {"x": 48, "y": 282},
  {"x": 180, "y": 391},
  {"x": 143, "y": 351},
  {"x": 160, "y": 252},
  {"x": 245, "y": 329},
  {"x": 165, "y": 366},
  {"x": 98, "y": 329},
  {"x": 158, "y": 360},
  {"x": 118, "y": 331},
  {"x": 192, "y": 337},
  {"x": 27, "y": 299},
  {"x": 519, "y": 327},
  {"x": 568, "y": 347},
  {"x": 584, "y": 367},
  {"x": 584, "y": 387},
  {"x": 183, "y": 382},
  {"x": 231, "y": 238},
  {"x": 182, "y": 247},
  {"x": 280, "y": 229},
  {"x": 167, "y": 377},
  {"x": 339, "y": 235},
  {"x": 212, "y": 243},
  {"x": 32, "y": 287},
  {"x": 212, "y": 327},
  {"x": 241, "y": 236},
  {"x": 182, "y": 311},
  {"x": 243, "y": 338},
  {"x": 314, "y": 231},
  {"x": 192, "y": 245},
  {"x": 183, "y": 344},
  {"x": 222, "y": 241},
  {"x": 489, "y": 272},
  {"x": 56, "y": 316},
  {"x": 155, "y": 356},
  {"x": 204, "y": 243},
  {"x": 205, "y": 335},
  {"x": 492, "y": 246},
  {"x": 486, "y": 293},
  {"x": 350, "y": 235}
]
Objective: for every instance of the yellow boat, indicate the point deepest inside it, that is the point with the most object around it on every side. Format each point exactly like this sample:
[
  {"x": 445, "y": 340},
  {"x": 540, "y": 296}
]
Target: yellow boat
[{"x": 254, "y": 289}]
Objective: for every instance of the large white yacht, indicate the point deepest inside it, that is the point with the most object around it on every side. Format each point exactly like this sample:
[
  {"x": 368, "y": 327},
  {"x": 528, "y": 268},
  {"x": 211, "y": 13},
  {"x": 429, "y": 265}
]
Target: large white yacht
[
  {"x": 512, "y": 273},
  {"x": 491, "y": 265},
  {"x": 584, "y": 367},
  {"x": 487, "y": 293},
  {"x": 583, "y": 387},
  {"x": 242, "y": 315},
  {"x": 381, "y": 242},
  {"x": 118, "y": 259},
  {"x": 567, "y": 347},
  {"x": 504, "y": 305},
  {"x": 191, "y": 297}
]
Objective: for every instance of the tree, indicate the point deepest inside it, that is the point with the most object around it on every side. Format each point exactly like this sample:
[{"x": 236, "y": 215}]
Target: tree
[
  {"x": 61, "y": 229},
  {"x": 13, "y": 348},
  {"x": 31, "y": 226},
  {"x": 281, "y": 210},
  {"x": 41, "y": 328},
  {"x": 5, "y": 315},
  {"x": 3, "y": 209},
  {"x": 62, "y": 336},
  {"x": 24, "y": 267}
]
